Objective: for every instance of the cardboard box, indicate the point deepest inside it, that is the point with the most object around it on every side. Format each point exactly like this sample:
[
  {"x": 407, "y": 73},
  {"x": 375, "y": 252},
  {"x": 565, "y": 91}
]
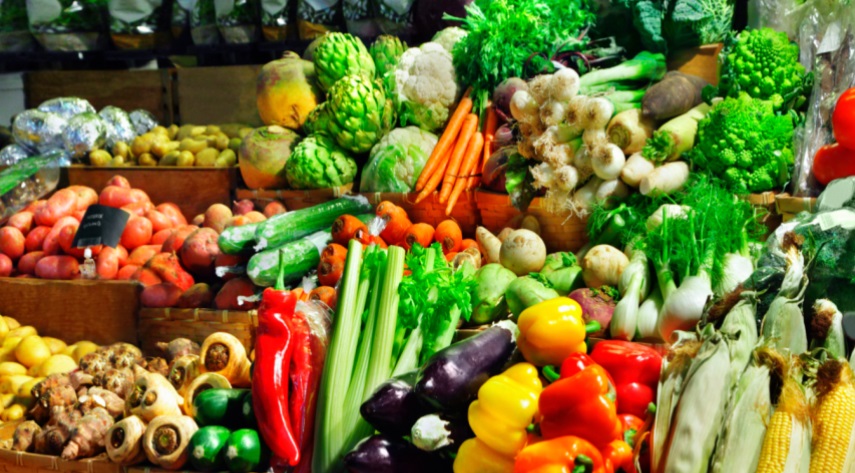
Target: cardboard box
[{"x": 207, "y": 95}]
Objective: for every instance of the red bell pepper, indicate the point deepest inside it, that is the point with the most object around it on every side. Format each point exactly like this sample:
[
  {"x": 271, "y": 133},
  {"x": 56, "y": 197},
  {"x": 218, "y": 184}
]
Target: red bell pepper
[
  {"x": 833, "y": 162},
  {"x": 635, "y": 369},
  {"x": 843, "y": 119}
]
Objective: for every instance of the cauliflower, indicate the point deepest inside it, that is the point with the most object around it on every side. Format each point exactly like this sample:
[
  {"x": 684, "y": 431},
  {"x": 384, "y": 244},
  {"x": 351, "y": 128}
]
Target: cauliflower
[
  {"x": 744, "y": 142},
  {"x": 397, "y": 160},
  {"x": 425, "y": 86},
  {"x": 449, "y": 37}
]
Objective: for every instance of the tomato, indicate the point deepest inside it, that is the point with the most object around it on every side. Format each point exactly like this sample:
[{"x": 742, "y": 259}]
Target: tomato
[
  {"x": 833, "y": 162},
  {"x": 843, "y": 119},
  {"x": 137, "y": 233}
]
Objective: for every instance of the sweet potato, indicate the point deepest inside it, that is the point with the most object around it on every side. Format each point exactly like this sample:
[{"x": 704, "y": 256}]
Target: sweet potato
[
  {"x": 146, "y": 276},
  {"x": 217, "y": 217},
  {"x": 27, "y": 263},
  {"x": 176, "y": 241},
  {"x": 173, "y": 213},
  {"x": 139, "y": 209},
  {"x": 107, "y": 263},
  {"x": 5, "y": 266},
  {"x": 36, "y": 238},
  {"x": 113, "y": 196},
  {"x": 137, "y": 233},
  {"x": 57, "y": 267},
  {"x": 123, "y": 255},
  {"x": 160, "y": 237},
  {"x": 12, "y": 242},
  {"x": 23, "y": 221},
  {"x": 119, "y": 181},
  {"x": 227, "y": 298},
  {"x": 86, "y": 196},
  {"x": 127, "y": 272},
  {"x": 63, "y": 203},
  {"x": 159, "y": 221},
  {"x": 274, "y": 208},
  {"x": 51, "y": 241},
  {"x": 228, "y": 267},
  {"x": 199, "y": 296},
  {"x": 140, "y": 255},
  {"x": 200, "y": 251},
  {"x": 160, "y": 295},
  {"x": 168, "y": 268}
]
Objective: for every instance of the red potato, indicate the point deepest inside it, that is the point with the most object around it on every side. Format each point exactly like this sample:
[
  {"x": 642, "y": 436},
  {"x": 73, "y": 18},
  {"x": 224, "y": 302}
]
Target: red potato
[
  {"x": 36, "y": 238},
  {"x": 127, "y": 272},
  {"x": 113, "y": 196},
  {"x": 27, "y": 263},
  {"x": 57, "y": 267},
  {"x": 160, "y": 237},
  {"x": 160, "y": 296},
  {"x": 12, "y": 242},
  {"x": 51, "y": 242},
  {"x": 66, "y": 242},
  {"x": 35, "y": 205},
  {"x": 173, "y": 213},
  {"x": 159, "y": 221},
  {"x": 86, "y": 196},
  {"x": 146, "y": 277},
  {"x": 274, "y": 208},
  {"x": 23, "y": 221},
  {"x": 140, "y": 256},
  {"x": 242, "y": 207},
  {"x": 168, "y": 268},
  {"x": 137, "y": 233},
  {"x": 217, "y": 217},
  {"x": 123, "y": 255},
  {"x": 139, "y": 209},
  {"x": 63, "y": 203},
  {"x": 200, "y": 251},
  {"x": 119, "y": 181},
  {"x": 174, "y": 243},
  {"x": 238, "y": 221},
  {"x": 200, "y": 296},
  {"x": 227, "y": 298},
  {"x": 255, "y": 217},
  {"x": 107, "y": 263},
  {"x": 5, "y": 266},
  {"x": 78, "y": 215},
  {"x": 228, "y": 267}
]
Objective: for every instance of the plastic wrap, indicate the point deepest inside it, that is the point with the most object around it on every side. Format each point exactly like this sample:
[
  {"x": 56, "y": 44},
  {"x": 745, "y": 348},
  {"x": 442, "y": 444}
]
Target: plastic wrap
[
  {"x": 119, "y": 126},
  {"x": 11, "y": 154},
  {"x": 38, "y": 131},
  {"x": 238, "y": 20},
  {"x": 138, "y": 24},
  {"x": 360, "y": 18},
  {"x": 14, "y": 29},
  {"x": 85, "y": 132},
  {"x": 28, "y": 180},
  {"x": 277, "y": 19},
  {"x": 396, "y": 18},
  {"x": 68, "y": 25},
  {"x": 316, "y": 17},
  {"x": 781, "y": 15},
  {"x": 143, "y": 121},
  {"x": 203, "y": 22},
  {"x": 66, "y": 107}
]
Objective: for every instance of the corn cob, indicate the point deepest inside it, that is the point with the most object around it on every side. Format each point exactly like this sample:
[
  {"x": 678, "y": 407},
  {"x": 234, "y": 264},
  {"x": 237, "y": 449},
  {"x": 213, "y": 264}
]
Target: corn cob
[
  {"x": 786, "y": 447},
  {"x": 834, "y": 419},
  {"x": 827, "y": 328},
  {"x": 783, "y": 325}
]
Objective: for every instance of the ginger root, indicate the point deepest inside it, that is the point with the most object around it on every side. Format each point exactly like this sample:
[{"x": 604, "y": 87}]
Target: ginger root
[
  {"x": 88, "y": 436},
  {"x": 120, "y": 382},
  {"x": 25, "y": 434},
  {"x": 178, "y": 348},
  {"x": 99, "y": 397}
]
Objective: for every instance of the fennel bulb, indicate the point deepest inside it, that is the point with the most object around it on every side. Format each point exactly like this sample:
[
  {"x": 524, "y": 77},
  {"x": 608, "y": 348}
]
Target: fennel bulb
[
  {"x": 737, "y": 269},
  {"x": 684, "y": 307}
]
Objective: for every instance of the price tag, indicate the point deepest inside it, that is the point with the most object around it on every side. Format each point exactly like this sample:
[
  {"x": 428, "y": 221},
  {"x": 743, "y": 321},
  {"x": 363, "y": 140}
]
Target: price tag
[{"x": 101, "y": 225}]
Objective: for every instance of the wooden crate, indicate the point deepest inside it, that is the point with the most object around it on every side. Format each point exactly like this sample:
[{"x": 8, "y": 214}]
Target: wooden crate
[
  {"x": 701, "y": 61},
  {"x": 192, "y": 189},
  {"x": 430, "y": 211},
  {"x": 164, "y": 325},
  {"x": 293, "y": 199},
  {"x": 104, "y": 312},
  {"x": 217, "y": 95},
  {"x": 19, "y": 462},
  {"x": 129, "y": 90}
]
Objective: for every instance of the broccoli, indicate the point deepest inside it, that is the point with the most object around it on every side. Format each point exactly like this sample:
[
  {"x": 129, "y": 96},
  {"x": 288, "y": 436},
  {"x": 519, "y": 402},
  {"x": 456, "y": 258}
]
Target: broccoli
[
  {"x": 764, "y": 64},
  {"x": 743, "y": 142}
]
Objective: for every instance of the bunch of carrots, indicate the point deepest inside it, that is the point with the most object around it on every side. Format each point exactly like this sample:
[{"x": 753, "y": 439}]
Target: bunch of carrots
[
  {"x": 325, "y": 294},
  {"x": 459, "y": 156}
]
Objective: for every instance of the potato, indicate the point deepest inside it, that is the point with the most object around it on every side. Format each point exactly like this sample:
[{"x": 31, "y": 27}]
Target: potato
[
  {"x": 142, "y": 144},
  {"x": 11, "y": 323},
  {"x": 11, "y": 384},
  {"x": 170, "y": 159},
  {"x": 192, "y": 145},
  {"x": 160, "y": 295},
  {"x": 11, "y": 368},
  {"x": 243, "y": 132},
  {"x": 213, "y": 129},
  {"x": 199, "y": 296},
  {"x": 217, "y": 217},
  {"x": 234, "y": 144},
  {"x": 221, "y": 141},
  {"x": 274, "y": 208},
  {"x": 57, "y": 364},
  {"x": 198, "y": 131},
  {"x": 6, "y": 266},
  {"x": 61, "y": 204},
  {"x": 32, "y": 351},
  {"x": 22, "y": 331},
  {"x": 118, "y": 161},
  {"x": 227, "y": 298},
  {"x": 172, "y": 131},
  {"x": 160, "y": 130},
  {"x": 199, "y": 252},
  {"x": 121, "y": 149},
  {"x": 523, "y": 252},
  {"x": 86, "y": 196},
  {"x": 198, "y": 220},
  {"x": 207, "y": 157},
  {"x": 57, "y": 267},
  {"x": 227, "y": 158},
  {"x": 147, "y": 159},
  {"x": 185, "y": 159},
  {"x": 176, "y": 241},
  {"x": 255, "y": 217},
  {"x": 56, "y": 345},
  {"x": 163, "y": 146},
  {"x": 183, "y": 132}
]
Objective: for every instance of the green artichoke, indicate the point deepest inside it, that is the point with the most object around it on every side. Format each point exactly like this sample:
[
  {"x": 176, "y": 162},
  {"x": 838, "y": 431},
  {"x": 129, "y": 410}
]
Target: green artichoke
[
  {"x": 359, "y": 113},
  {"x": 386, "y": 51},
  {"x": 317, "y": 121},
  {"x": 317, "y": 163},
  {"x": 339, "y": 55}
]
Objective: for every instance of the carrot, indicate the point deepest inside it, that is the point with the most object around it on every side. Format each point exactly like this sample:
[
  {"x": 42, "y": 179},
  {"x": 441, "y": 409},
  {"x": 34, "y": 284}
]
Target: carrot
[
  {"x": 329, "y": 271},
  {"x": 473, "y": 153},
  {"x": 346, "y": 228},
  {"x": 334, "y": 251},
  {"x": 325, "y": 294},
  {"x": 434, "y": 181},
  {"x": 298, "y": 292},
  {"x": 467, "y": 243},
  {"x": 470, "y": 126},
  {"x": 450, "y": 256},
  {"x": 491, "y": 123},
  {"x": 449, "y": 235},
  {"x": 452, "y": 129},
  {"x": 420, "y": 233},
  {"x": 397, "y": 221}
]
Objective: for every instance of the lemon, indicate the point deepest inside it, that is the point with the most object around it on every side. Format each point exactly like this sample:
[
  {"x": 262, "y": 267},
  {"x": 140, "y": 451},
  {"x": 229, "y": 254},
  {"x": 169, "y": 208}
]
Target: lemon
[
  {"x": 8, "y": 368},
  {"x": 32, "y": 351},
  {"x": 11, "y": 384},
  {"x": 14, "y": 412},
  {"x": 22, "y": 331},
  {"x": 56, "y": 345},
  {"x": 83, "y": 348},
  {"x": 57, "y": 364},
  {"x": 12, "y": 323}
]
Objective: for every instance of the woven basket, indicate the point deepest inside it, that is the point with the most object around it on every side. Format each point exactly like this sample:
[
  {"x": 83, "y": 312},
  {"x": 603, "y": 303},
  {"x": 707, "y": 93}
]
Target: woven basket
[
  {"x": 789, "y": 206},
  {"x": 766, "y": 201},
  {"x": 164, "y": 325},
  {"x": 19, "y": 462},
  {"x": 430, "y": 211},
  {"x": 293, "y": 199},
  {"x": 560, "y": 231}
]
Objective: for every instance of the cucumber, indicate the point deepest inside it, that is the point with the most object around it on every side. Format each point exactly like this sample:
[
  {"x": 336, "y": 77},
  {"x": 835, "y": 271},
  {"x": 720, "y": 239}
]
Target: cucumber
[
  {"x": 220, "y": 407},
  {"x": 298, "y": 257},
  {"x": 235, "y": 240},
  {"x": 245, "y": 452},
  {"x": 207, "y": 448},
  {"x": 291, "y": 226}
]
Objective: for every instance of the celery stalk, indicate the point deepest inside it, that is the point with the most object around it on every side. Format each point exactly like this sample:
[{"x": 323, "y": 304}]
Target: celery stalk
[{"x": 387, "y": 318}]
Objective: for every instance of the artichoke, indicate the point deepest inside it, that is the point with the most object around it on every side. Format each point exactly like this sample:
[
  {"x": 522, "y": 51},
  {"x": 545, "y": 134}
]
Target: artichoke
[
  {"x": 386, "y": 51},
  {"x": 317, "y": 121},
  {"x": 339, "y": 55},
  {"x": 359, "y": 113},
  {"x": 317, "y": 163}
]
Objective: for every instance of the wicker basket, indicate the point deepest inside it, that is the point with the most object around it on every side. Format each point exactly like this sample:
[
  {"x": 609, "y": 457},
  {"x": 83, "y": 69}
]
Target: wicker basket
[
  {"x": 789, "y": 206},
  {"x": 164, "y": 325},
  {"x": 430, "y": 211},
  {"x": 560, "y": 231},
  {"x": 293, "y": 199},
  {"x": 19, "y": 462},
  {"x": 766, "y": 201}
]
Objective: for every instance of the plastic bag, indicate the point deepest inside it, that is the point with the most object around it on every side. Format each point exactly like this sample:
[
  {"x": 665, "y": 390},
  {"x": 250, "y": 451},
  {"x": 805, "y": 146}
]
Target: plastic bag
[
  {"x": 84, "y": 133},
  {"x": 69, "y": 25},
  {"x": 119, "y": 125},
  {"x": 143, "y": 121},
  {"x": 139, "y": 24},
  {"x": 277, "y": 19},
  {"x": 14, "y": 28},
  {"x": 396, "y": 18},
  {"x": 361, "y": 19},
  {"x": 781, "y": 15},
  {"x": 29, "y": 180},
  {"x": 316, "y": 17},
  {"x": 38, "y": 131},
  {"x": 237, "y": 20},
  {"x": 67, "y": 107},
  {"x": 12, "y": 154}
]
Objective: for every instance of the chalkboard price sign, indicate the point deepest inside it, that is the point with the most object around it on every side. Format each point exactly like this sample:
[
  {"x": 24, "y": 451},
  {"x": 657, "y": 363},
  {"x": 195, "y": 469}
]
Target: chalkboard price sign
[{"x": 101, "y": 225}]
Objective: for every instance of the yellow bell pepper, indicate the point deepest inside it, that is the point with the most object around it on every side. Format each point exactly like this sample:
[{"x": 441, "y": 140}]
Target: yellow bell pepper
[
  {"x": 506, "y": 406},
  {"x": 551, "y": 331}
]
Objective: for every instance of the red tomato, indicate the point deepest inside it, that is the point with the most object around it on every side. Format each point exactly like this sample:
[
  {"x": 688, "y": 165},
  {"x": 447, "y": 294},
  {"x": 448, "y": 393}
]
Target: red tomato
[
  {"x": 137, "y": 233},
  {"x": 833, "y": 162},
  {"x": 843, "y": 119}
]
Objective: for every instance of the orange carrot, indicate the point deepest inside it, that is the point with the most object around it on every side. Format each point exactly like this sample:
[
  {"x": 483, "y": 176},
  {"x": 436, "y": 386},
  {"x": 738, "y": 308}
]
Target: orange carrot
[
  {"x": 468, "y": 243},
  {"x": 470, "y": 126},
  {"x": 452, "y": 129},
  {"x": 450, "y": 256},
  {"x": 397, "y": 221},
  {"x": 298, "y": 292},
  {"x": 491, "y": 123},
  {"x": 434, "y": 181},
  {"x": 449, "y": 235},
  {"x": 473, "y": 153},
  {"x": 345, "y": 228},
  {"x": 334, "y": 251},
  {"x": 329, "y": 271},
  {"x": 420, "y": 233},
  {"x": 325, "y": 294}
]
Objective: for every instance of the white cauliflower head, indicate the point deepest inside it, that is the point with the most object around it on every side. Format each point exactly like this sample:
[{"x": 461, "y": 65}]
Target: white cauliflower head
[
  {"x": 425, "y": 86},
  {"x": 448, "y": 37}
]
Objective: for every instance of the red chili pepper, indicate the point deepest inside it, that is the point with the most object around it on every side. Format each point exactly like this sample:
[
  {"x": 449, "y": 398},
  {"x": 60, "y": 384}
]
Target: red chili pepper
[
  {"x": 843, "y": 119},
  {"x": 635, "y": 370},
  {"x": 270, "y": 381},
  {"x": 833, "y": 162}
]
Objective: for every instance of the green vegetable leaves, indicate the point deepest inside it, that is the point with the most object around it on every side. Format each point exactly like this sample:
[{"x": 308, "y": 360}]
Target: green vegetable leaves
[{"x": 667, "y": 26}]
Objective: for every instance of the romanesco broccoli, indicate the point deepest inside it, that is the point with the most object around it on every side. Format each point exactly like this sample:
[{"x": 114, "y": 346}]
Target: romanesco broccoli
[
  {"x": 764, "y": 64},
  {"x": 743, "y": 142}
]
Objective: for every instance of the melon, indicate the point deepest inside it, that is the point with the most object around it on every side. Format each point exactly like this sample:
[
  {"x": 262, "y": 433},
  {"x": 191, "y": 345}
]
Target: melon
[
  {"x": 286, "y": 91},
  {"x": 263, "y": 155}
]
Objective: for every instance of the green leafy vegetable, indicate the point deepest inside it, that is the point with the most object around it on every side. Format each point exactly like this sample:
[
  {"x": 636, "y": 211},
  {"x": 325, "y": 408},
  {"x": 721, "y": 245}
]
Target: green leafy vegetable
[
  {"x": 518, "y": 181},
  {"x": 667, "y": 26}
]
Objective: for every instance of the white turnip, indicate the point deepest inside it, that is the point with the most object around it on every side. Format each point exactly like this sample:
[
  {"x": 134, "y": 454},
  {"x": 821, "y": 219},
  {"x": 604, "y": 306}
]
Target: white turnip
[
  {"x": 523, "y": 252},
  {"x": 603, "y": 266}
]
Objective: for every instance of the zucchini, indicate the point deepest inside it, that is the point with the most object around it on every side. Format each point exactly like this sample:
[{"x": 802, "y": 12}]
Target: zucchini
[
  {"x": 235, "y": 240},
  {"x": 220, "y": 407},
  {"x": 245, "y": 452},
  {"x": 298, "y": 257},
  {"x": 207, "y": 448},
  {"x": 247, "y": 412},
  {"x": 291, "y": 226}
]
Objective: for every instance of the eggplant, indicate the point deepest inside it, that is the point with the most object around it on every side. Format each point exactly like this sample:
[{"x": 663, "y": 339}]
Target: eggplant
[
  {"x": 394, "y": 407},
  {"x": 387, "y": 454},
  {"x": 450, "y": 379},
  {"x": 441, "y": 431}
]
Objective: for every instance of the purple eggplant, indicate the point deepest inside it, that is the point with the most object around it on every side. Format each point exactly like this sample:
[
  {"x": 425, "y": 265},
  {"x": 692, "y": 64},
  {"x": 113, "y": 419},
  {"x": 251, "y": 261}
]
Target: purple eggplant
[
  {"x": 387, "y": 454},
  {"x": 394, "y": 407},
  {"x": 435, "y": 432},
  {"x": 450, "y": 379}
]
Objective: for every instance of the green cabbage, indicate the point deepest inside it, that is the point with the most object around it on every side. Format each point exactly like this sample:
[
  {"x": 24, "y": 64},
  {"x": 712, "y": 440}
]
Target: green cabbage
[{"x": 397, "y": 160}]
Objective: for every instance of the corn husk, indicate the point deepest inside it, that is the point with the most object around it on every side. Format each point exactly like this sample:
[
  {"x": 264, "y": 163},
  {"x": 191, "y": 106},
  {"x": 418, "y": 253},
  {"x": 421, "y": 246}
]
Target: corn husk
[
  {"x": 833, "y": 418},
  {"x": 783, "y": 326},
  {"x": 793, "y": 402},
  {"x": 740, "y": 327},
  {"x": 834, "y": 340}
]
